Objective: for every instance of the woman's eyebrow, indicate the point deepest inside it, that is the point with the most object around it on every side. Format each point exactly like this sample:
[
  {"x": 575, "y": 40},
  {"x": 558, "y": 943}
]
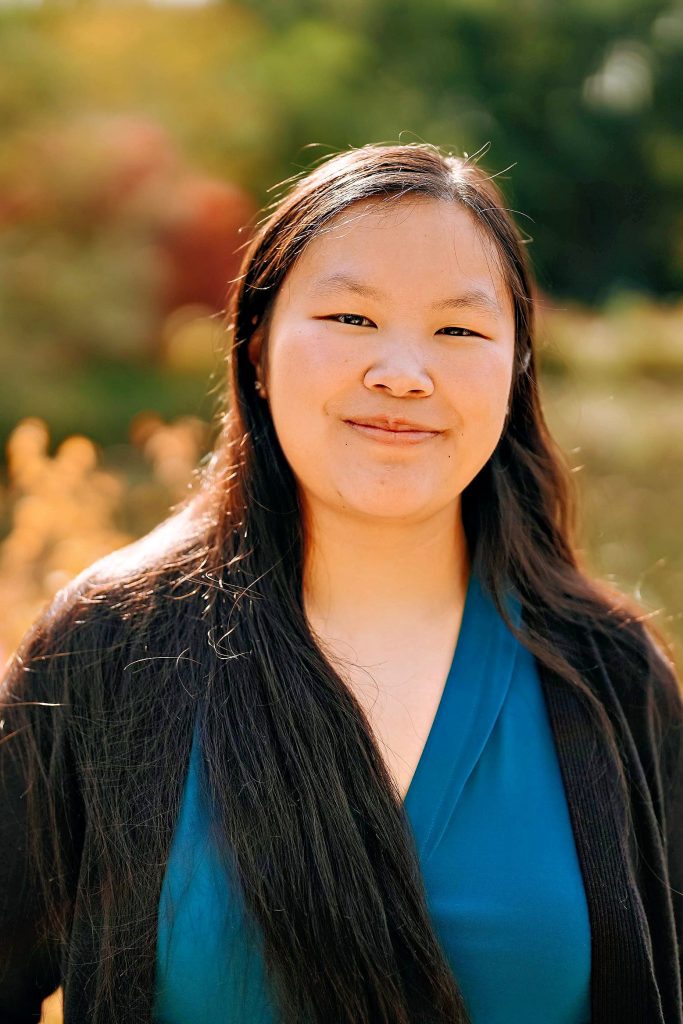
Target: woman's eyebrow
[{"x": 474, "y": 298}]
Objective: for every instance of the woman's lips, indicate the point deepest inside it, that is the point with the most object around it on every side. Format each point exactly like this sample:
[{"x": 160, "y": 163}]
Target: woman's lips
[{"x": 393, "y": 437}]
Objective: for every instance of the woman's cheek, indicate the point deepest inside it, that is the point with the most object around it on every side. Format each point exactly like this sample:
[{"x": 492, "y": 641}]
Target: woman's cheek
[
  {"x": 311, "y": 363},
  {"x": 488, "y": 383}
]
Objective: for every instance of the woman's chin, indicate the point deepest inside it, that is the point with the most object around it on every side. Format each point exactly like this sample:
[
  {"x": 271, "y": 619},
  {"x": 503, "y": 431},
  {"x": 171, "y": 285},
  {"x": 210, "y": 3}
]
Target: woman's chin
[{"x": 386, "y": 507}]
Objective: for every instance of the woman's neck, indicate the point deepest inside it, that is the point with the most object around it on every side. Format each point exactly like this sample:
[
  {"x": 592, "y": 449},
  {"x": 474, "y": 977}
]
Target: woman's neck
[{"x": 363, "y": 576}]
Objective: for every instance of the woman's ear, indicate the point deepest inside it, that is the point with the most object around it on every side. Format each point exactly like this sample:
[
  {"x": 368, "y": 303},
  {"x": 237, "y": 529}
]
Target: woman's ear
[{"x": 254, "y": 347}]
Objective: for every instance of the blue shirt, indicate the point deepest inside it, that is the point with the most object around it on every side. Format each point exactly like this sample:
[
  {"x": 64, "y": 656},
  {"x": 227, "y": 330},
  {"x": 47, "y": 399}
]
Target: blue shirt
[{"x": 488, "y": 811}]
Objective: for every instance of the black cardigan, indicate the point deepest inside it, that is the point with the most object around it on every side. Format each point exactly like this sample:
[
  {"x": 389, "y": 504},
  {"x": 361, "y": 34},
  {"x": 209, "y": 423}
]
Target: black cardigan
[{"x": 634, "y": 888}]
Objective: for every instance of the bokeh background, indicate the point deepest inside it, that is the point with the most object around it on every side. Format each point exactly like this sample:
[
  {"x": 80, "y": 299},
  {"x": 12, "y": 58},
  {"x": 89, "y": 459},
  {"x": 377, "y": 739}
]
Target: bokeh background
[{"x": 139, "y": 143}]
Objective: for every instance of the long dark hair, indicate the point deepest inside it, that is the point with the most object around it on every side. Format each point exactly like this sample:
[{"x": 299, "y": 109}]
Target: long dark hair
[{"x": 204, "y": 617}]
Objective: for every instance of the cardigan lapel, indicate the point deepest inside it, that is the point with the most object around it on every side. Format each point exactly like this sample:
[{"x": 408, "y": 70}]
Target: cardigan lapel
[{"x": 623, "y": 987}]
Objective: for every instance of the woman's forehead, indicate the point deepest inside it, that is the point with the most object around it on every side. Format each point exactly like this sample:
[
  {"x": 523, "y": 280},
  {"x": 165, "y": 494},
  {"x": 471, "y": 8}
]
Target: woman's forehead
[{"x": 439, "y": 237}]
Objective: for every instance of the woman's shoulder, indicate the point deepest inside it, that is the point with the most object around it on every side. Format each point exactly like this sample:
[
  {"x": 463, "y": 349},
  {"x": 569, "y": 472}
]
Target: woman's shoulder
[
  {"x": 617, "y": 649},
  {"x": 101, "y": 610},
  {"x": 157, "y": 552},
  {"x": 638, "y": 664},
  {"x": 641, "y": 662},
  {"x": 609, "y": 631}
]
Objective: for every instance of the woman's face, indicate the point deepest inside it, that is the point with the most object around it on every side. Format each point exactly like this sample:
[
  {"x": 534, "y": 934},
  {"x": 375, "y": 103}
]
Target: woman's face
[{"x": 398, "y": 310}]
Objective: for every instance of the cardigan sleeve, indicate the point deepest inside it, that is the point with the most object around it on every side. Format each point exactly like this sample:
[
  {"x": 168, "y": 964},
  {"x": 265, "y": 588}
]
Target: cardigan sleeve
[
  {"x": 39, "y": 810},
  {"x": 651, "y": 697},
  {"x": 667, "y": 727},
  {"x": 675, "y": 845},
  {"x": 672, "y": 773}
]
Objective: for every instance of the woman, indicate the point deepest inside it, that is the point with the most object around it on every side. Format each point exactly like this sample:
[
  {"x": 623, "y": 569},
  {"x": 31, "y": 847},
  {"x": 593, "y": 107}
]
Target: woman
[{"x": 352, "y": 736}]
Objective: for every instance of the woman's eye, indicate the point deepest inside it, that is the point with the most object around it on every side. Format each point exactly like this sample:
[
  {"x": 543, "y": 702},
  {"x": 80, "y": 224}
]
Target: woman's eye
[
  {"x": 466, "y": 330},
  {"x": 346, "y": 317}
]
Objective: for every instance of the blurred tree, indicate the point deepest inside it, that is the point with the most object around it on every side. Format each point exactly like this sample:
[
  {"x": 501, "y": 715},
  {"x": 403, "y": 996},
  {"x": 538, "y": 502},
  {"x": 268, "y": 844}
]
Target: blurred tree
[
  {"x": 106, "y": 232},
  {"x": 583, "y": 99}
]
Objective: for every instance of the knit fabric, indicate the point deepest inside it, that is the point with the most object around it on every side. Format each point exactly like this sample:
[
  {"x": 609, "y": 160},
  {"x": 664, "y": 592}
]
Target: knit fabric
[{"x": 633, "y": 887}]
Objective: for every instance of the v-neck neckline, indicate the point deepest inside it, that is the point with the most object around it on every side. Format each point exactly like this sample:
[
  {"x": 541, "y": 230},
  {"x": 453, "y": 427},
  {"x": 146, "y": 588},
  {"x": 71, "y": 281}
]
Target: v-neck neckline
[
  {"x": 440, "y": 708},
  {"x": 473, "y": 695}
]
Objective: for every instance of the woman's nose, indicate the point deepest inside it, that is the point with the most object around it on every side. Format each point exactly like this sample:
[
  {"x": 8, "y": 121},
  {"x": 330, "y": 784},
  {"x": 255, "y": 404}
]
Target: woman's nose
[{"x": 400, "y": 371}]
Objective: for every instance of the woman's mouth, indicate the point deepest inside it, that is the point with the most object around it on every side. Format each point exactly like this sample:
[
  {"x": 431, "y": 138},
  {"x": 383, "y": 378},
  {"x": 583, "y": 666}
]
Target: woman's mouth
[{"x": 395, "y": 438}]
